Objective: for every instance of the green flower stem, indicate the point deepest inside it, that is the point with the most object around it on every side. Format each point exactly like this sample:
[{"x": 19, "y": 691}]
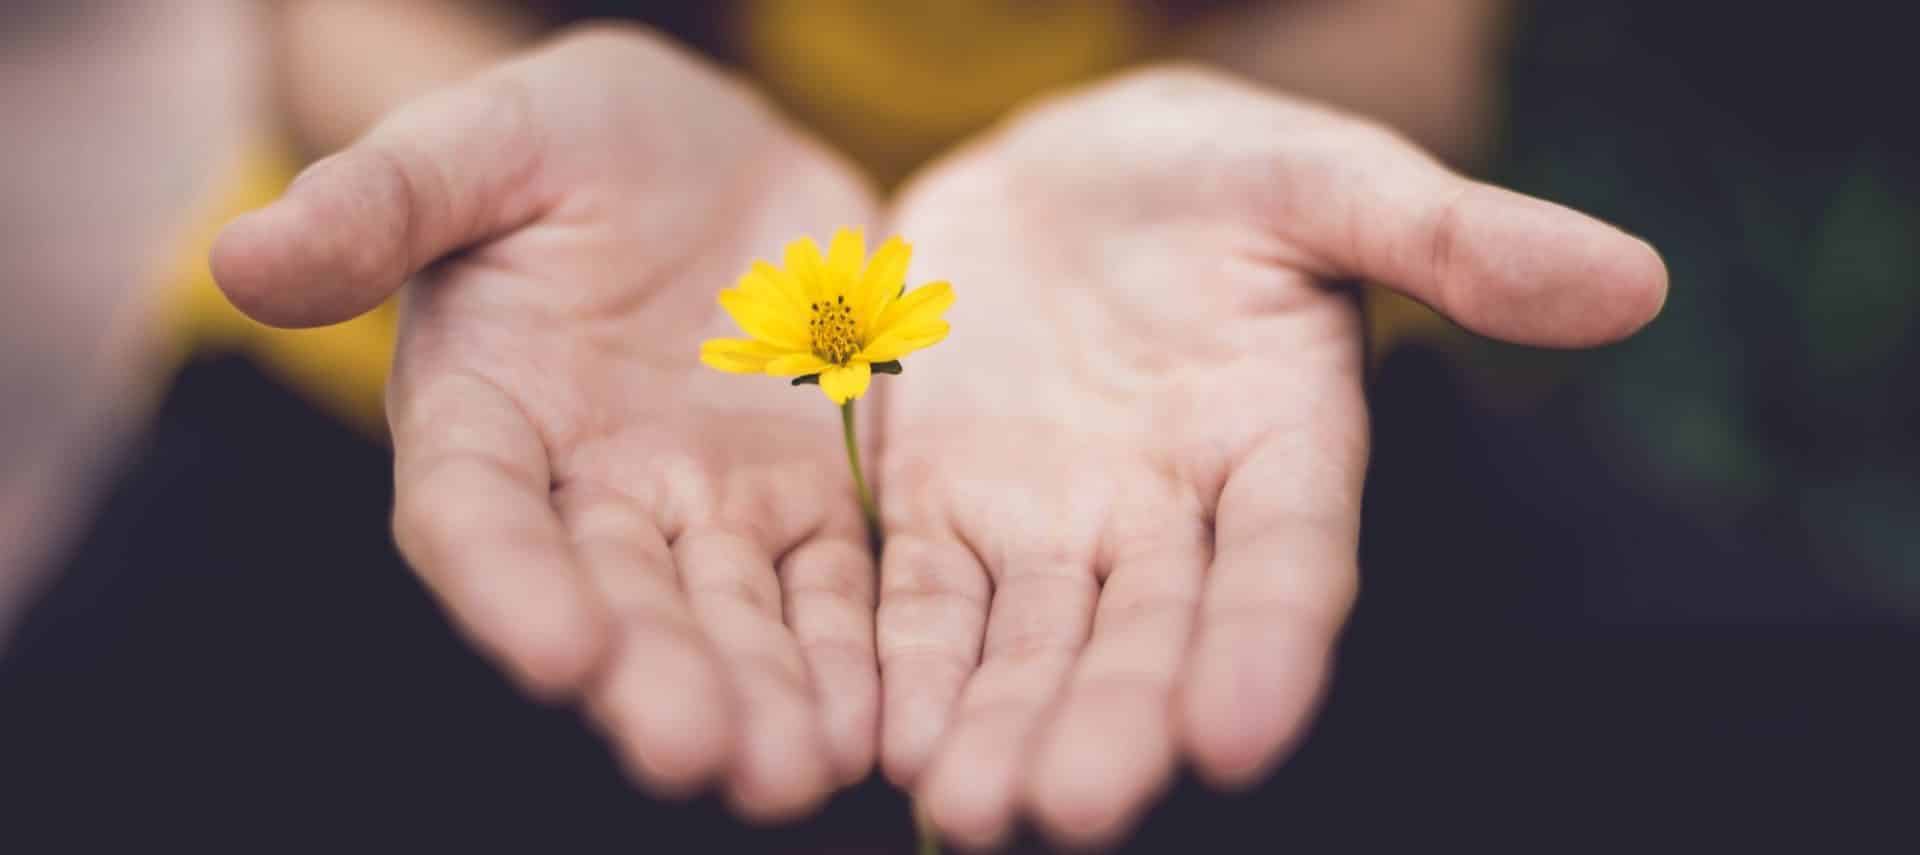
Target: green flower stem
[
  {"x": 867, "y": 508},
  {"x": 929, "y": 843}
]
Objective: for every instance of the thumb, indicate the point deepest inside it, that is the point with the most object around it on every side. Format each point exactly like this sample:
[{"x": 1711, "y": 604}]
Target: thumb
[
  {"x": 437, "y": 176},
  {"x": 1499, "y": 263}
]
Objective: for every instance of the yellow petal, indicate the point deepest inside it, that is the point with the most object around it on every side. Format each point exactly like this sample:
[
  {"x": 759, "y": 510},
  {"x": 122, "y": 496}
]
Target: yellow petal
[
  {"x": 806, "y": 268},
  {"x": 765, "y": 320},
  {"x": 902, "y": 340},
  {"x": 765, "y": 281},
  {"x": 884, "y": 276},
  {"x": 738, "y": 355},
  {"x": 843, "y": 383},
  {"x": 924, "y": 304},
  {"x": 797, "y": 364},
  {"x": 844, "y": 255}
]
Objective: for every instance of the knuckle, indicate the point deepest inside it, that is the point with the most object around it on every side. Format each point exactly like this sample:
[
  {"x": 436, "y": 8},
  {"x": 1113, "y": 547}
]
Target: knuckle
[
  {"x": 1032, "y": 643},
  {"x": 387, "y": 187},
  {"x": 411, "y": 528},
  {"x": 1155, "y": 609},
  {"x": 1444, "y": 253},
  {"x": 556, "y": 664},
  {"x": 845, "y": 580},
  {"x": 852, "y": 654}
]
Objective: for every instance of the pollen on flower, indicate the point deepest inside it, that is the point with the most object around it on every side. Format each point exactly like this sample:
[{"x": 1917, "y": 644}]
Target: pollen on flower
[
  {"x": 836, "y": 336},
  {"x": 833, "y": 321}
]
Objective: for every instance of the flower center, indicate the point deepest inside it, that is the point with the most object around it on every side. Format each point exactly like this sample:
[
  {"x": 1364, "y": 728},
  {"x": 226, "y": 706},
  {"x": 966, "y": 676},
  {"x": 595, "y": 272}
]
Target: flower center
[{"x": 835, "y": 338}]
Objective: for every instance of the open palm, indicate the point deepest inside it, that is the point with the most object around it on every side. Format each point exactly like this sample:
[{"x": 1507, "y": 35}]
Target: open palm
[
  {"x": 1123, "y": 499},
  {"x": 599, "y": 511}
]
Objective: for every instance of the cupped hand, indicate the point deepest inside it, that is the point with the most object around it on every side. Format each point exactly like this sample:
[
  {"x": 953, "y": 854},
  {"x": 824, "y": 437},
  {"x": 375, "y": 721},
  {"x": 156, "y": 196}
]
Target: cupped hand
[
  {"x": 1122, "y": 500},
  {"x": 612, "y": 522}
]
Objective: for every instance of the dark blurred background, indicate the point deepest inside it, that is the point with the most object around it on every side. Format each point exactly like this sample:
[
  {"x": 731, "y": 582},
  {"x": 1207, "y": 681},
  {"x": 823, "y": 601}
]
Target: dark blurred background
[{"x": 1665, "y": 594}]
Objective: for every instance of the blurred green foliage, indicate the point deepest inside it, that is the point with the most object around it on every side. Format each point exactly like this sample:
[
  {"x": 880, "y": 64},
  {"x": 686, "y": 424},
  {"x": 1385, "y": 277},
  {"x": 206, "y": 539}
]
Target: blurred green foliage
[{"x": 1778, "y": 395}]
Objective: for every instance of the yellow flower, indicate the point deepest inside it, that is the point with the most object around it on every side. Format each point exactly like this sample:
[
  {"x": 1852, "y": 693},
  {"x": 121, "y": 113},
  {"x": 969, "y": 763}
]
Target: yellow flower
[{"x": 838, "y": 319}]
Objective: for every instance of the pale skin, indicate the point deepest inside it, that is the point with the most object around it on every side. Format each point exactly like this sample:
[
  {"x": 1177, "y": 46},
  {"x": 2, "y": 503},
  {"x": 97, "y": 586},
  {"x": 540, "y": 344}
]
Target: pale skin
[
  {"x": 608, "y": 518},
  {"x": 1121, "y": 500}
]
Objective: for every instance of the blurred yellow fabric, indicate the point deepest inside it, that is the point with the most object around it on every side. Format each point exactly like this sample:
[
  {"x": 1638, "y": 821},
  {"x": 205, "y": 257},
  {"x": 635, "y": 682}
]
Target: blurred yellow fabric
[
  {"x": 341, "y": 368},
  {"x": 892, "y": 84}
]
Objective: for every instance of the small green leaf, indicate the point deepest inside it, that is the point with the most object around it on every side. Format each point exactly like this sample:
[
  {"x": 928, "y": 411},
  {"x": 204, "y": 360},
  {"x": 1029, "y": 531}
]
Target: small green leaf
[{"x": 891, "y": 366}]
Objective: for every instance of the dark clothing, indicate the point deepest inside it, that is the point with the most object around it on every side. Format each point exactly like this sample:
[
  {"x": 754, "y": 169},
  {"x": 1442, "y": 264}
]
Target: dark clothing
[{"x": 217, "y": 670}]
